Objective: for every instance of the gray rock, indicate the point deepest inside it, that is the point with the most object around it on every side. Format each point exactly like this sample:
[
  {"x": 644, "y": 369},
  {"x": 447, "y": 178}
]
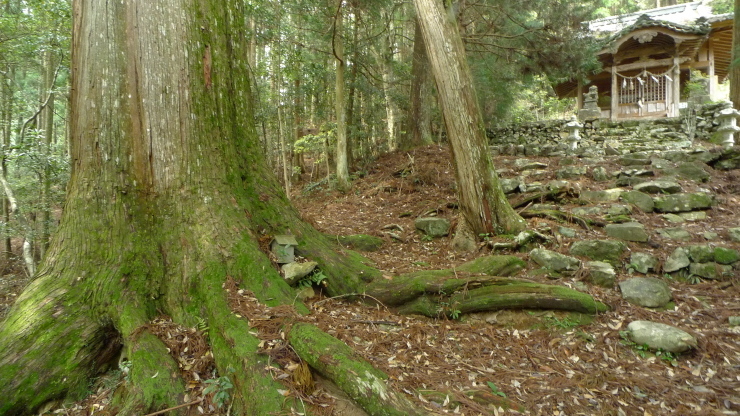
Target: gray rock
[
  {"x": 433, "y": 226},
  {"x": 599, "y": 174},
  {"x": 675, "y": 233},
  {"x": 601, "y": 250},
  {"x": 639, "y": 199},
  {"x": 609, "y": 195},
  {"x": 558, "y": 185},
  {"x": 645, "y": 291},
  {"x": 634, "y": 159},
  {"x": 700, "y": 253},
  {"x": 711, "y": 270},
  {"x": 659, "y": 336},
  {"x": 601, "y": 274},
  {"x": 619, "y": 209},
  {"x": 629, "y": 231},
  {"x": 710, "y": 235},
  {"x": 567, "y": 232},
  {"x": 526, "y": 164},
  {"x": 734, "y": 234},
  {"x": 677, "y": 260},
  {"x": 659, "y": 187},
  {"x": 693, "y": 215},
  {"x": 554, "y": 261},
  {"x": 683, "y": 202},
  {"x": 293, "y": 272},
  {"x": 571, "y": 172},
  {"x": 643, "y": 262},
  {"x": 587, "y": 211},
  {"x": 689, "y": 170},
  {"x": 674, "y": 218},
  {"x": 511, "y": 185}
]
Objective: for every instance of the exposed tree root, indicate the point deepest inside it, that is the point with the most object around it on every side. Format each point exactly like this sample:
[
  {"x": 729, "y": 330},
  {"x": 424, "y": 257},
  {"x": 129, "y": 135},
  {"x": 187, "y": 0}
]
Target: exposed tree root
[
  {"x": 365, "y": 384},
  {"x": 556, "y": 195}
]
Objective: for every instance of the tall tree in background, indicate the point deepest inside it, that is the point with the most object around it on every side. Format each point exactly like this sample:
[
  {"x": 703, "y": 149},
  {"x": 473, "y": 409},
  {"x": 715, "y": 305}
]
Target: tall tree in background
[
  {"x": 343, "y": 183},
  {"x": 483, "y": 205},
  {"x": 735, "y": 66}
]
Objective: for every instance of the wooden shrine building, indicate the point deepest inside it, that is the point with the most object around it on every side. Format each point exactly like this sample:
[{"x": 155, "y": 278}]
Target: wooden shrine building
[{"x": 647, "y": 58}]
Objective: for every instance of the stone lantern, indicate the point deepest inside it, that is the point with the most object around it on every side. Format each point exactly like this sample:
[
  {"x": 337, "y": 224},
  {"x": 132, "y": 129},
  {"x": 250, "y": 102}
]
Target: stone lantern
[
  {"x": 574, "y": 133},
  {"x": 728, "y": 126}
]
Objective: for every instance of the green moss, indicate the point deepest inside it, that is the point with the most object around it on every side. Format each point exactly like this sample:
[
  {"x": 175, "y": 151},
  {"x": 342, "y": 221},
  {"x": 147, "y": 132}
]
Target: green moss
[
  {"x": 494, "y": 265},
  {"x": 724, "y": 255}
]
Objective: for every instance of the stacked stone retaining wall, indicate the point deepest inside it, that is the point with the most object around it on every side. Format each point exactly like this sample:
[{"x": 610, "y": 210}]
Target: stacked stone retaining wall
[{"x": 548, "y": 138}]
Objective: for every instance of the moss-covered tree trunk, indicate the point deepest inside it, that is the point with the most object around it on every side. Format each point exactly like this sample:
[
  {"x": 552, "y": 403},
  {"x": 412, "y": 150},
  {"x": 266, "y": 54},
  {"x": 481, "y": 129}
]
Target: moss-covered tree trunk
[
  {"x": 168, "y": 199},
  {"x": 483, "y": 204},
  {"x": 168, "y": 196}
]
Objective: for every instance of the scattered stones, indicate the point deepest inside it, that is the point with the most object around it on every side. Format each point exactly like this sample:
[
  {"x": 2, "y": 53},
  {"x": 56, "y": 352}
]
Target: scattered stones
[
  {"x": 683, "y": 202},
  {"x": 659, "y": 336},
  {"x": 646, "y": 291},
  {"x": 677, "y": 260},
  {"x": 433, "y": 226},
  {"x": 659, "y": 187},
  {"x": 601, "y": 274},
  {"x": 554, "y": 261},
  {"x": 643, "y": 262},
  {"x": 602, "y": 250},
  {"x": 639, "y": 199},
  {"x": 629, "y": 231},
  {"x": 293, "y": 272}
]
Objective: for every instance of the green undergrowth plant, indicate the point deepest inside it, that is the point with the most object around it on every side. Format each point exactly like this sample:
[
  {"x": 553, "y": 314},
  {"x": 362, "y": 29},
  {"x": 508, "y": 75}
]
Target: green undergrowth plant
[
  {"x": 317, "y": 278},
  {"x": 220, "y": 388}
]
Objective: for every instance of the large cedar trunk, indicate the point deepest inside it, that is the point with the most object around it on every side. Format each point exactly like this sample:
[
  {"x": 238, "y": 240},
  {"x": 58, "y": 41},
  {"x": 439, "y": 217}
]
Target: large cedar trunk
[
  {"x": 482, "y": 203},
  {"x": 168, "y": 198},
  {"x": 419, "y": 129}
]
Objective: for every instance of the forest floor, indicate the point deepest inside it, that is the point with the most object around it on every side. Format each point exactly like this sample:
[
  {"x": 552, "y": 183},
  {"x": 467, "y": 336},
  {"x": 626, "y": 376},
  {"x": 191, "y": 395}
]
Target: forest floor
[{"x": 542, "y": 362}]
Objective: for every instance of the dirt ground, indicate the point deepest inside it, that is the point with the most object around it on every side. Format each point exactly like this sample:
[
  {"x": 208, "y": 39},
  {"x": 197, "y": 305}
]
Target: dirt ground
[{"x": 537, "y": 362}]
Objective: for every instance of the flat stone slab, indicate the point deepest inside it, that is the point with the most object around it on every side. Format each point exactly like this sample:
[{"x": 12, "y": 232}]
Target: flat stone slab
[
  {"x": 639, "y": 199},
  {"x": 683, "y": 202},
  {"x": 659, "y": 187},
  {"x": 659, "y": 336},
  {"x": 600, "y": 250},
  {"x": 711, "y": 270},
  {"x": 646, "y": 291},
  {"x": 675, "y": 233},
  {"x": 554, "y": 261},
  {"x": 629, "y": 231},
  {"x": 608, "y": 195},
  {"x": 293, "y": 272}
]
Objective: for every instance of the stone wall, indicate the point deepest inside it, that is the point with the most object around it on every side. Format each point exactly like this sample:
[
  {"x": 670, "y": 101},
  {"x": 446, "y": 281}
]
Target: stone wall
[{"x": 548, "y": 138}]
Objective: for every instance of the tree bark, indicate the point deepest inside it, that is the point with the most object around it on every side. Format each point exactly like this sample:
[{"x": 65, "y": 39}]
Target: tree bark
[
  {"x": 419, "y": 130},
  {"x": 483, "y": 206},
  {"x": 340, "y": 108}
]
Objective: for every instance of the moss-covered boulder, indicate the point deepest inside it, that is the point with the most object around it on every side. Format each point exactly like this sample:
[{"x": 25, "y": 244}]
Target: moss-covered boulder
[
  {"x": 684, "y": 202},
  {"x": 610, "y": 251},
  {"x": 724, "y": 255}
]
